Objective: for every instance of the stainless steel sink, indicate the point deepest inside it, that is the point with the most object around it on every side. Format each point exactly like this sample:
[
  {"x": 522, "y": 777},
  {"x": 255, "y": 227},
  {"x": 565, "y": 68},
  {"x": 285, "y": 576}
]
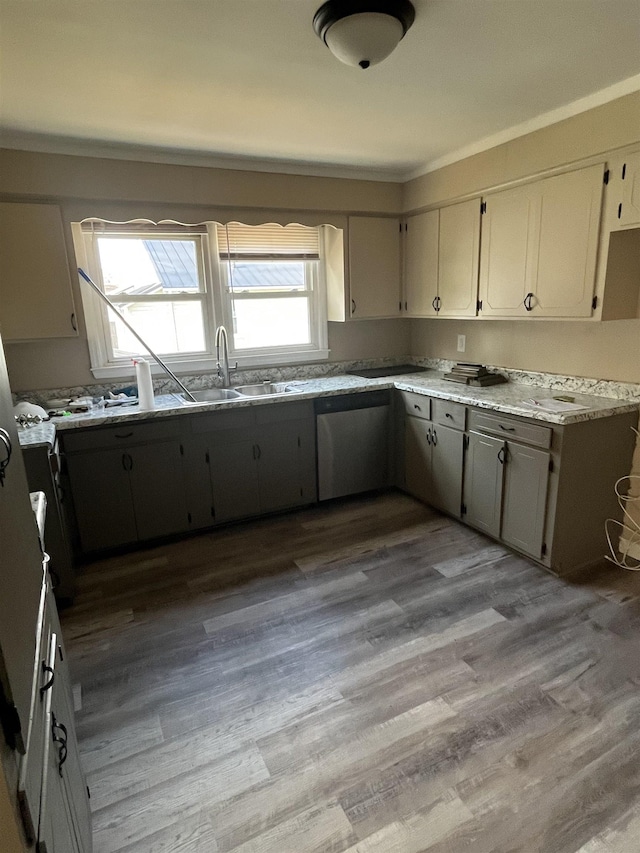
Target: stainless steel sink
[
  {"x": 264, "y": 389},
  {"x": 213, "y": 395}
]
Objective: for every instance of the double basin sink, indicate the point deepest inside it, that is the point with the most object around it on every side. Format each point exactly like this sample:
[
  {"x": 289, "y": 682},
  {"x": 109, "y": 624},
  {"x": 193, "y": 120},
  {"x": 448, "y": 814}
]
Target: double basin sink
[{"x": 220, "y": 395}]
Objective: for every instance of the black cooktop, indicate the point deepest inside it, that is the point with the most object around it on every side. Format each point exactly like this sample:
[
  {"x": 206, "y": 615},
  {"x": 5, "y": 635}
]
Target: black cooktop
[{"x": 379, "y": 372}]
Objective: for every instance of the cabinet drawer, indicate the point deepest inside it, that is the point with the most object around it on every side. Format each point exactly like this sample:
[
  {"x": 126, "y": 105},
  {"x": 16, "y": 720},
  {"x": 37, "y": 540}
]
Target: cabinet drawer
[
  {"x": 507, "y": 427},
  {"x": 116, "y": 436},
  {"x": 449, "y": 414},
  {"x": 416, "y": 405}
]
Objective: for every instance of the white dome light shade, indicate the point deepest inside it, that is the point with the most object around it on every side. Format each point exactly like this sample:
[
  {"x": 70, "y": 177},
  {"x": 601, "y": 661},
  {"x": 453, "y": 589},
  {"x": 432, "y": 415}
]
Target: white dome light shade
[
  {"x": 364, "y": 39},
  {"x": 363, "y": 32}
]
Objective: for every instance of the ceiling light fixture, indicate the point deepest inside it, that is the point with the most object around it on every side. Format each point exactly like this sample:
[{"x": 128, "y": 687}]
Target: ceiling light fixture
[{"x": 363, "y": 32}]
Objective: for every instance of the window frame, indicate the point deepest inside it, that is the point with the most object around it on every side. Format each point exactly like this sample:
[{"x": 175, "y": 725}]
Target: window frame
[
  {"x": 314, "y": 292},
  {"x": 217, "y": 305}
]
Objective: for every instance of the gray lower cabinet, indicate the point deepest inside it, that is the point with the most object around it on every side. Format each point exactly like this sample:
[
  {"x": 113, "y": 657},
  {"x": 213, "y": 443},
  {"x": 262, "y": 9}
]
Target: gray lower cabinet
[
  {"x": 52, "y": 790},
  {"x": 129, "y": 494},
  {"x": 505, "y": 491},
  {"x": 434, "y": 454},
  {"x": 483, "y": 483},
  {"x": 526, "y": 478},
  {"x": 447, "y": 453},
  {"x": 543, "y": 489},
  {"x": 64, "y": 819},
  {"x": 234, "y": 478},
  {"x": 417, "y": 453},
  {"x": 250, "y": 461}
]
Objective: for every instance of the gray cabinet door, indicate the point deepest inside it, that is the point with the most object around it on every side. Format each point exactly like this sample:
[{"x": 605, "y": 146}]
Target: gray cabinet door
[
  {"x": 197, "y": 475},
  {"x": 281, "y": 464},
  {"x": 56, "y": 832},
  {"x": 417, "y": 449},
  {"x": 447, "y": 453},
  {"x": 525, "y": 498},
  {"x": 483, "y": 480},
  {"x": 102, "y": 498},
  {"x": 234, "y": 478},
  {"x": 157, "y": 487}
]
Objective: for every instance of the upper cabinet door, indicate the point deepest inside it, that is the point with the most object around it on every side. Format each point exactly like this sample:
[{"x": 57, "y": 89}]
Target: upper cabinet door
[
  {"x": 508, "y": 258},
  {"x": 421, "y": 264},
  {"x": 539, "y": 247},
  {"x": 374, "y": 266},
  {"x": 571, "y": 205},
  {"x": 35, "y": 286},
  {"x": 625, "y": 179},
  {"x": 458, "y": 250}
]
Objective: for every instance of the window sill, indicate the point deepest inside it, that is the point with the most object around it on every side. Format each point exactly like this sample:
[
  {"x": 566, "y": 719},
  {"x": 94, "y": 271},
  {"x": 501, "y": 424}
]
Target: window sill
[{"x": 207, "y": 364}]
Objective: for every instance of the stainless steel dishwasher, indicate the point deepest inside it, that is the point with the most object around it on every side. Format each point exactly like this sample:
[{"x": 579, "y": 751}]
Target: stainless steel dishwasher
[{"x": 353, "y": 443}]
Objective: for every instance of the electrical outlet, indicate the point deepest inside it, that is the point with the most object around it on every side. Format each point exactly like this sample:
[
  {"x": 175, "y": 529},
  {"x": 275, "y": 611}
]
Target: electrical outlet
[{"x": 462, "y": 342}]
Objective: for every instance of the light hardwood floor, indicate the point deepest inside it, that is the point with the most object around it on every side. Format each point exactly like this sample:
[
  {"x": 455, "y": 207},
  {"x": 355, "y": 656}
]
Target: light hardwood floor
[{"x": 369, "y": 677}]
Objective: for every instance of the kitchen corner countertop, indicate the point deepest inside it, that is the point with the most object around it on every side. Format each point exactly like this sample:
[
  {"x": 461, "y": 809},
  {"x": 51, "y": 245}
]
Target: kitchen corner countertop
[
  {"x": 39, "y": 435},
  {"x": 507, "y": 399}
]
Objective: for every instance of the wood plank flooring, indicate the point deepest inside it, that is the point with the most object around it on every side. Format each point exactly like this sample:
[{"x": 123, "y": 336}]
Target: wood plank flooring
[{"x": 363, "y": 677}]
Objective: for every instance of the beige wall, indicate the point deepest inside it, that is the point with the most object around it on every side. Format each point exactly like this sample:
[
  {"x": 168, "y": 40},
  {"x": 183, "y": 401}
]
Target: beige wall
[
  {"x": 597, "y": 131},
  {"x": 26, "y": 173},
  {"x": 118, "y": 189},
  {"x": 578, "y": 348}
]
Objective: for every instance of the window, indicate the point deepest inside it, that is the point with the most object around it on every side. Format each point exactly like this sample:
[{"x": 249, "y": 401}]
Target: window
[
  {"x": 271, "y": 284},
  {"x": 176, "y": 283}
]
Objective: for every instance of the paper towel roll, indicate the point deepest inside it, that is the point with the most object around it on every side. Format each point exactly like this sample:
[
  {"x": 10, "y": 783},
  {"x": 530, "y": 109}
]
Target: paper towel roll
[{"x": 146, "y": 399}]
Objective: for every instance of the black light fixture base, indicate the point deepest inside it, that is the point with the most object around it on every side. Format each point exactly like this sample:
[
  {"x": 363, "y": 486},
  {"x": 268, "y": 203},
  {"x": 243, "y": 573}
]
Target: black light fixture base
[{"x": 334, "y": 10}]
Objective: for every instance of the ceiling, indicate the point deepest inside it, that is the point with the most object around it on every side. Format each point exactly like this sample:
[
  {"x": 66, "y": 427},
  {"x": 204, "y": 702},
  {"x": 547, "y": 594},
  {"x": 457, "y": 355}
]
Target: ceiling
[{"x": 247, "y": 82}]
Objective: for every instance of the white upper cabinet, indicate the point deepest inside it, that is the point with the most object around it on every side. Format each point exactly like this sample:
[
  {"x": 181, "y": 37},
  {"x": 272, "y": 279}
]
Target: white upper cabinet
[
  {"x": 421, "y": 264},
  {"x": 35, "y": 286},
  {"x": 539, "y": 247},
  {"x": 374, "y": 267},
  {"x": 458, "y": 247},
  {"x": 441, "y": 261},
  {"x": 507, "y": 257}
]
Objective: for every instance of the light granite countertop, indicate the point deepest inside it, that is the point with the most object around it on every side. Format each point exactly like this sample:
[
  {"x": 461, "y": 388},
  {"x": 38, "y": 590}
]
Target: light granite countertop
[
  {"x": 39, "y": 435},
  {"x": 507, "y": 399}
]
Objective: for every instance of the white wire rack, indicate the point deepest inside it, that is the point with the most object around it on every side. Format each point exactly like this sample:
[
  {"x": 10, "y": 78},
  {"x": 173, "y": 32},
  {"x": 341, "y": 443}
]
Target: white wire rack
[{"x": 628, "y": 529}]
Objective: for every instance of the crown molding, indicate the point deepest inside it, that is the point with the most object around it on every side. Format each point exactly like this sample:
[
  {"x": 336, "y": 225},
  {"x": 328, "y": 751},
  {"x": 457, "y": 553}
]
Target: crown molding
[{"x": 45, "y": 144}]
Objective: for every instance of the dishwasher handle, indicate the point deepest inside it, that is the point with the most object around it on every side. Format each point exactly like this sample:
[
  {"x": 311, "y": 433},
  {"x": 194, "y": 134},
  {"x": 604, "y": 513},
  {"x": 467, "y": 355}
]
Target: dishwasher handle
[{"x": 351, "y": 402}]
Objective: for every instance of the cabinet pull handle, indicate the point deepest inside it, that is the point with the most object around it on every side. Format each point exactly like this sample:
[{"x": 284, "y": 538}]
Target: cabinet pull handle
[
  {"x": 435, "y": 438},
  {"x": 74, "y": 325},
  {"x": 61, "y": 739},
  {"x": 4, "y": 463},
  {"x": 502, "y": 457},
  {"x": 429, "y": 436},
  {"x": 434, "y": 304},
  {"x": 527, "y": 302},
  {"x": 353, "y": 306},
  {"x": 127, "y": 462},
  {"x": 448, "y": 415},
  {"x": 507, "y": 429},
  {"x": 259, "y": 451},
  {"x": 124, "y": 434},
  {"x": 46, "y": 669},
  {"x": 416, "y": 406}
]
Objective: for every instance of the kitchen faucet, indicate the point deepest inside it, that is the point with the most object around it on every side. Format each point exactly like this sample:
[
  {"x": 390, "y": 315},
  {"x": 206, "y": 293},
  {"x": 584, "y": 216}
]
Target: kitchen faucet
[{"x": 224, "y": 370}]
